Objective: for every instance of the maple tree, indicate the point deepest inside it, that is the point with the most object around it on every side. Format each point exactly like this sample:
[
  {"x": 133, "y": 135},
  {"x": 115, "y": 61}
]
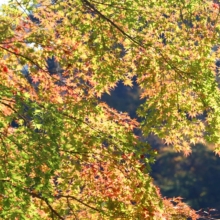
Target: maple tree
[{"x": 64, "y": 153}]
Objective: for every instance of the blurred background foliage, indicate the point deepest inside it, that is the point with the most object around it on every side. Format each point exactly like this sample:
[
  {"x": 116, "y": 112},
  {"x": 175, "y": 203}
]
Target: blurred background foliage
[
  {"x": 194, "y": 178},
  {"x": 124, "y": 99}
]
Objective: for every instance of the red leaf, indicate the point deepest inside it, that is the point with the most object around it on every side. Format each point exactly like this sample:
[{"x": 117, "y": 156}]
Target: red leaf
[
  {"x": 5, "y": 69},
  {"x": 215, "y": 6}
]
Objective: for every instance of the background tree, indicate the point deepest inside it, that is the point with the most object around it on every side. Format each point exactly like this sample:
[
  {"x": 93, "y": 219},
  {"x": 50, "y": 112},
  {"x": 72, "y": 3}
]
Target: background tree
[
  {"x": 70, "y": 155},
  {"x": 194, "y": 178}
]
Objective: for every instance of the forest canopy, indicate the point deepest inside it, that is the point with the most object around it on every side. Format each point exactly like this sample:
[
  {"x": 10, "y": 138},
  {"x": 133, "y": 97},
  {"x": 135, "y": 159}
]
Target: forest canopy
[{"x": 65, "y": 154}]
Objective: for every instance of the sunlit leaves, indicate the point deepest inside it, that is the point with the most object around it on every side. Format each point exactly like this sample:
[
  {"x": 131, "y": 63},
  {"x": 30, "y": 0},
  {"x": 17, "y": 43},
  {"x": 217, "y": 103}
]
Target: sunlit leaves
[{"x": 73, "y": 156}]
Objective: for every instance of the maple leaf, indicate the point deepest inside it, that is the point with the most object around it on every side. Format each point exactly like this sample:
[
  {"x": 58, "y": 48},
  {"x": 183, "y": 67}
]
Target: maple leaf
[
  {"x": 128, "y": 82},
  {"x": 35, "y": 79}
]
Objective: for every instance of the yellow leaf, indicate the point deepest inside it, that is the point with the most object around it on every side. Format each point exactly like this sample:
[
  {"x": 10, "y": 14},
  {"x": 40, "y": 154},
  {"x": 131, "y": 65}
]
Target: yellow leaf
[{"x": 128, "y": 82}]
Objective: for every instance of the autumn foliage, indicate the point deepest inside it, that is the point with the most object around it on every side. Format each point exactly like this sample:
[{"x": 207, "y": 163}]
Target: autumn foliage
[{"x": 66, "y": 155}]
